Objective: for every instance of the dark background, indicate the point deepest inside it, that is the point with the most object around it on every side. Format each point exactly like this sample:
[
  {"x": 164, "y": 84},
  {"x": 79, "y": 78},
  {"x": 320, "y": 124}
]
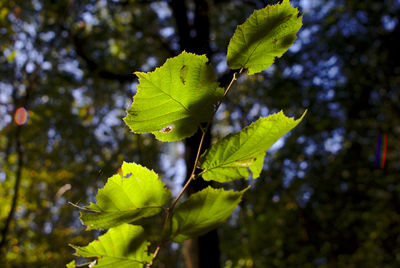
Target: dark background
[{"x": 322, "y": 200}]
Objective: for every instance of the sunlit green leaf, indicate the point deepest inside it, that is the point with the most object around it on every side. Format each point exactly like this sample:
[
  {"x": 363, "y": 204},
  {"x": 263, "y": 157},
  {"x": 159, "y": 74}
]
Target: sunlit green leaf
[
  {"x": 135, "y": 194},
  {"x": 172, "y": 101},
  {"x": 229, "y": 158},
  {"x": 266, "y": 34},
  {"x": 122, "y": 246},
  {"x": 203, "y": 212},
  {"x": 71, "y": 264}
]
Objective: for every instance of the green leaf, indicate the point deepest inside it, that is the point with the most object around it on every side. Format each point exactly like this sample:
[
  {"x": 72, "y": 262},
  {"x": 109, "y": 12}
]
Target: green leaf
[
  {"x": 266, "y": 34},
  {"x": 71, "y": 264},
  {"x": 203, "y": 212},
  {"x": 122, "y": 246},
  {"x": 230, "y": 157},
  {"x": 175, "y": 99},
  {"x": 135, "y": 194}
]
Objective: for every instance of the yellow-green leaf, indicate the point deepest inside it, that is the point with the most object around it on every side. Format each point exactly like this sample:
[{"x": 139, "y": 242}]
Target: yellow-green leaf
[
  {"x": 266, "y": 34},
  {"x": 136, "y": 193},
  {"x": 173, "y": 101},
  {"x": 122, "y": 246},
  {"x": 230, "y": 157},
  {"x": 203, "y": 212}
]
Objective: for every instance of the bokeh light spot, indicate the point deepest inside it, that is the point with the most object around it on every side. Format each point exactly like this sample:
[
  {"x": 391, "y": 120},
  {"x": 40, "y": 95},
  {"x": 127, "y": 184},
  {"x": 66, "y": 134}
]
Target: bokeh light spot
[{"x": 21, "y": 116}]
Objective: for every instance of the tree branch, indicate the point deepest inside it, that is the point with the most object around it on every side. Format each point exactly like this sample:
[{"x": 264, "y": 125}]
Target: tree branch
[{"x": 20, "y": 164}]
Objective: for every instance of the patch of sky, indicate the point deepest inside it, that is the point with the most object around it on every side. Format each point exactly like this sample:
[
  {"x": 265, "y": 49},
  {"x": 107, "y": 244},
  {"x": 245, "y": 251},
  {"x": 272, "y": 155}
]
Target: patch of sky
[
  {"x": 149, "y": 65},
  {"x": 254, "y": 112},
  {"x": 139, "y": 35},
  {"x": 132, "y": 88},
  {"x": 173, "y": 166},
  {"x": 19, "y": 213},
  {"x": 334, "y": 143},
  {"x": 304, "y": 195},
  {"x": 162, "y": 9},
  {"x": 2, "y": 176},
  {"x": 5, "y": 118},
  {"x": 30, "y": 67},
  {"x": 46, "y": 65},
  {"x": 277, "y": 145},
  {"x": 264, "y": 111},
  {"x": 220, "y": 60},
  {"x": 333, "y": 106},
  {"x": 328, "y": 77},
  {"x": 389, "y": 23},
  {"x": 317, "y": 8},
  {"x": 296, "y": 47},
  {"x": 175, "y": 44},
  {"x": 78, "y": 158},
  {"x": 104, "y": 130},
  {"x": 80, "y": 98},
  {"x": 235, "y": 117},
  {"x": 275, "y": 198},
  {"x": 303, "y": 165},
  {"x": 37, "y": 5},
  {"x": 30, "y": 28},
  {"x": 103, "y": 3},
  {"x": 91, "y": 192},
  {"x": 167, "y": 32},
  {"x": 5, "y": 92},
  {"x": 301, "y": 139},
  {"x": 113, "y": 118},
  {"x": 375, "y": 97},
  {"x": 52, "y": 137},
  {"x": 48, "y": 227},
  {"x": 335, "y": 110},
  {"x": 308, "y": 5},
  {"x": 71, "y": 67},
  {"x": 270, "y": 70},
  {"x": 350, "y": 25},
  {"x": 119, "y": 101},
  {"x": 220, "y": 115},
  {"x": 310, "y": 148},
  {"x": 89, "y": 19},
  {"x": 306, "y": 34},
  {"x": 293, "y": 71},
  {"x": 362, "y": 16},
  {"x": 289, "y": 169}
]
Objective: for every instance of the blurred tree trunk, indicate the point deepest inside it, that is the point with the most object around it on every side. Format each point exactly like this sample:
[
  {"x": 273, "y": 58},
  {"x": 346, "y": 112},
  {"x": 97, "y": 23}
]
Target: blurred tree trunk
[{"x": 201, "y": 252}]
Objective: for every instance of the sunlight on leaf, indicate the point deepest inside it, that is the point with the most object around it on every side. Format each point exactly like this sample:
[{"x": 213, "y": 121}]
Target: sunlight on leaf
[
  {"x": 230, "y": 157},
  {"x": 181, "y": 93},
  {"x": 203, "y": 212},
  {"x": 135, "y": 194},
  {"x": 122, "y": 246},
  {"x": 266, "y": 34}
]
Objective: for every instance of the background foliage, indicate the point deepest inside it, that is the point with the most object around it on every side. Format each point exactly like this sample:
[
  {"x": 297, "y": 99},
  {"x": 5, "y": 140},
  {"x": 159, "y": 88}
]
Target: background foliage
[{"x": 320, "y": 201}]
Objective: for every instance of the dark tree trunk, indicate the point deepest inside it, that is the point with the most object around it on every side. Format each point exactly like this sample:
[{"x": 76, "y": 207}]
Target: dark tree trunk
[{"x": 202, "y": 252}]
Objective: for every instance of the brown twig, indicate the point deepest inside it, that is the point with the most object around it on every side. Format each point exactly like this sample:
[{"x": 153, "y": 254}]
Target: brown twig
[{"x": 192, "y": 176}]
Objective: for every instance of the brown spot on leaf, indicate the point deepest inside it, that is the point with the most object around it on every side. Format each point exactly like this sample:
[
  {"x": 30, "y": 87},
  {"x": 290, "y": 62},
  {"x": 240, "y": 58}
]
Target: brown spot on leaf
[{"x": 167, "y": 129}]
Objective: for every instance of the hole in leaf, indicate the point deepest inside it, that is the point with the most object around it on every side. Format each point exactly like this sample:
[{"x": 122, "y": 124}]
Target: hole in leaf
[
  {"x": 183, "y": 73},
  {"x": 167, "y": 129}
]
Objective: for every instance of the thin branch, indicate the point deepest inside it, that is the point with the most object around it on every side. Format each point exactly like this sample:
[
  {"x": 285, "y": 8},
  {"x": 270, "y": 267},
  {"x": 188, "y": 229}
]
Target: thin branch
[
  {"x": 193, "y": 173},
  {"x": 10, "y": 216}
]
